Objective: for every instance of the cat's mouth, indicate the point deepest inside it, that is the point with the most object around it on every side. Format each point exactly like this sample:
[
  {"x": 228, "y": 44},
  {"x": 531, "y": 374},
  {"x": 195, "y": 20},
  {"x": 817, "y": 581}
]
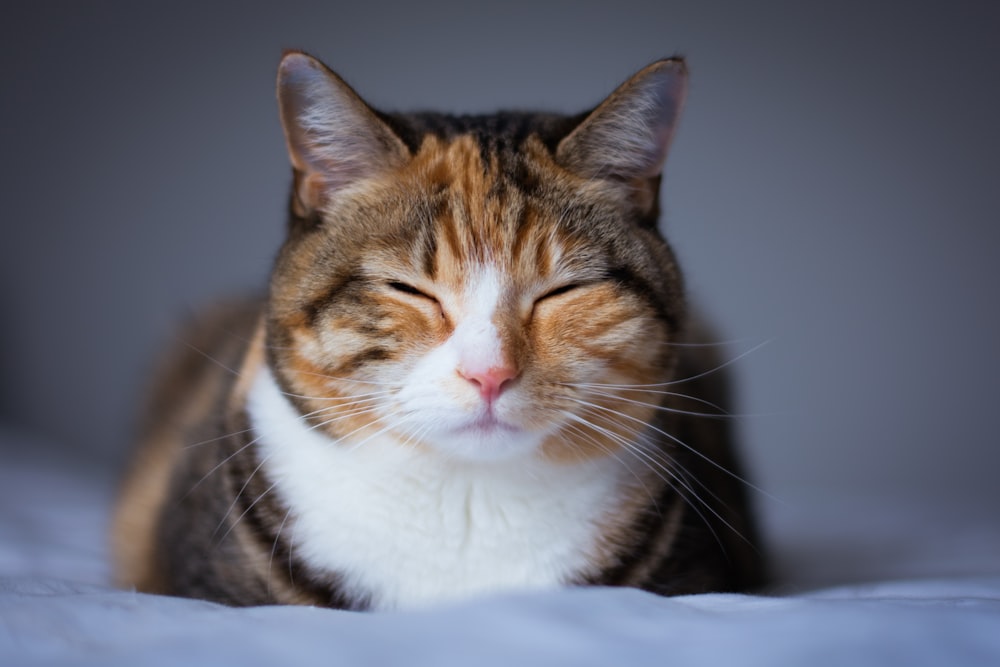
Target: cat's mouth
[
  {"x": 487, "y": 424},
  {"x": 486, "y": 438}
]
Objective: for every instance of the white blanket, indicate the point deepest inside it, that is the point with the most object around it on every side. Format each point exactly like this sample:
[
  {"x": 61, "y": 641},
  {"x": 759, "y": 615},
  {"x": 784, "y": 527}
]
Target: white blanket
[{"x": 931, "y": 596}]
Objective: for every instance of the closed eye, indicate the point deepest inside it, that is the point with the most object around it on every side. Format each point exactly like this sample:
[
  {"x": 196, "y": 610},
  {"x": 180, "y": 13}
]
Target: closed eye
[
  {"x": 559, "y": 291},
  {"x": 409, "y": 289}
]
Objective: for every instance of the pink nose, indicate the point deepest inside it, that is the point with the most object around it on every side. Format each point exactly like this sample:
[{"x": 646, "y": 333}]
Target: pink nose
[{"x": 491, "y": 381}]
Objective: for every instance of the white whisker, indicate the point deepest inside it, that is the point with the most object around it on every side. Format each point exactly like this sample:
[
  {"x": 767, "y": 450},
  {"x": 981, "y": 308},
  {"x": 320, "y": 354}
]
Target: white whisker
[
  {"x": 217, "y": 438},
  {"x": 715, "y": 369},
  {"x": 220, "y": 464},
  {"x": 340, "y": 378},
  {"x": 246, "y": 511},
  {"x": 678, "y": 441},
  {"x": 675, "y": 479},
  {"x": 210, "y": 358},
  {"x": 664, "y": 408},
  {"x": 236, "y": 499},
  {"x": 574, "y": 425},
  {"x": 374, "y": 394},
  {"x": 274, "y": 549}
]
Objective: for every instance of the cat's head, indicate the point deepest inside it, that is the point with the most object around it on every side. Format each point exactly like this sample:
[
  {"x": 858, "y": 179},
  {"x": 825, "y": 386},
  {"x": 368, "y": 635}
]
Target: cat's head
[{"x": 481, "y": 286}]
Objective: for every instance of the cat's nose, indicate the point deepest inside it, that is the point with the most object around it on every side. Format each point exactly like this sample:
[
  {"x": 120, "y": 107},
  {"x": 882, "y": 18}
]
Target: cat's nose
[{"x": 490, "y": 381}]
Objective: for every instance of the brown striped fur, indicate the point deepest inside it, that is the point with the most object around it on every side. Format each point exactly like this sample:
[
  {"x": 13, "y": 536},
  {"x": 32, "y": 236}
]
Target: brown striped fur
[{"x": 387, "y": 219}]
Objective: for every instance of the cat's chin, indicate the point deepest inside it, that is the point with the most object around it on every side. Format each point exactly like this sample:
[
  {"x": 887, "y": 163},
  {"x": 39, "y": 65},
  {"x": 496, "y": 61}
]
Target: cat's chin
[
  {"x": 486, "y": 439},
  {"x": 487, "y": 426}
]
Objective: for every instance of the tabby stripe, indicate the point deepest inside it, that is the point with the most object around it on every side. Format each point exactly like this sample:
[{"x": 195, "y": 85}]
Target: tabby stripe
[
  {"x": 360, "y": 359},
  {"x": 522, "y": 237},
  {"x": 314, "y": 308},
  {"x": 631, "y": 281},
  {"x": 429, "y": 257},
  {"x": 645, "y": 555},
  {"x": 448, "y": 228}
]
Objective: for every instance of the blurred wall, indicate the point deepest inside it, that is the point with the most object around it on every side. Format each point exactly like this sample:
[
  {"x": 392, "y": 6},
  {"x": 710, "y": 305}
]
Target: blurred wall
[{"x": 833, "y": 191}]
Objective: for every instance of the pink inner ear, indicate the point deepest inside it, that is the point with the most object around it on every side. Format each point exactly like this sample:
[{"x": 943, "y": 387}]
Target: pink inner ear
[
  {"x": 628, "y": 135},
  {"x": 309, "y": 192},
  {"x": 332, "y": 135}
]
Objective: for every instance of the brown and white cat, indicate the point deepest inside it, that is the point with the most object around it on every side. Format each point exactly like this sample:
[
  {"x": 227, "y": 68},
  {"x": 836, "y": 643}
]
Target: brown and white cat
[{"x": 472, "y": 373}]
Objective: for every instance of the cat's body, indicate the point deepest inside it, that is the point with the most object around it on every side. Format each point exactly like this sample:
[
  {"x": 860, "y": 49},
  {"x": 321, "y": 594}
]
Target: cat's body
[{"x": 473, "y": 373}]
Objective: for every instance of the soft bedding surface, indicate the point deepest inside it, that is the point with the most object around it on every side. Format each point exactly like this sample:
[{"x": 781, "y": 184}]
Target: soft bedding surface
[{"x": 860, "y": 583}]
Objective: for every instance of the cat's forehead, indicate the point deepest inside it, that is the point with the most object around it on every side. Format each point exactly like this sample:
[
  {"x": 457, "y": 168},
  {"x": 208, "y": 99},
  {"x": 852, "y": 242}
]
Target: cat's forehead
[
  {"x": 460, "y": 165},
  {"x": 497, "y": 207}
]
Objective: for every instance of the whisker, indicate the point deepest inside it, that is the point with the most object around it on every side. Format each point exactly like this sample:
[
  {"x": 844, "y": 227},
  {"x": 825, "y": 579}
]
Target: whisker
[
  {"x": 236, "y": 499},
  {"x": 673, "y": 479},
  {"x": 663, "y": 408},
  {"x": 346, "y": 408},
  {"x": 215, "y": 361},
  {"x": 708, "y": 343},
  {"x": 649, "y": 460},
  {"x": 722, "y": 414},
  {"x": 690, "y": 378},
  {"x": 667, "y": 460},
  {"x": 664, "y": 470},
  {"x": 607, "y": 450},
  {"x": 338, "y": 378},
  {"x": 220, "y": 464},
  {"x": 245, "y": 512},
  {"x": 679, "y": 442},
  {"x": 716, "y": 369},
  {"x": 412, "y": 437},
  {"x": 253, "y": 441},
  {"x": 274, "y": 550},
  {"x": 641, "y": 389},
  {"x": 291, "y": 548},
  {"x": 381, "y": 431},
  {"x": 216, "y": 439},
  {"x": 341, "y": 417},
  {"x": 339, "y": 398}
]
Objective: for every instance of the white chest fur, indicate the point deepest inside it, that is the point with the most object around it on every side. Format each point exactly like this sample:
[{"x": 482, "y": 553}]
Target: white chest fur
[{"x": 410, "y": 528}]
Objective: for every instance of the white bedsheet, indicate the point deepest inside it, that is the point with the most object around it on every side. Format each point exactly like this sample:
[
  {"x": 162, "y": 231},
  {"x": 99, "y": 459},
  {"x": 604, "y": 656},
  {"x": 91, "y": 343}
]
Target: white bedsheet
[{"x": 898, "y": 586}]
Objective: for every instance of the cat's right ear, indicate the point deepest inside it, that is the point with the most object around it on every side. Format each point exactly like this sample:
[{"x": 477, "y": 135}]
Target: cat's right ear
[{"x": 334, "y": 138}]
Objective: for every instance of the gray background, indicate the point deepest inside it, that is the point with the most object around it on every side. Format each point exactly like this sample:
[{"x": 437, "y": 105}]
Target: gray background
[{"x": 832, "y": 192}]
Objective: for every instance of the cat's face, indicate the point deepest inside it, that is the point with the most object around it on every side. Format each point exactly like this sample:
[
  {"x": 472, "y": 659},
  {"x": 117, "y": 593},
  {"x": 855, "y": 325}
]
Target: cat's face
[{"x": 482, "y": 299}]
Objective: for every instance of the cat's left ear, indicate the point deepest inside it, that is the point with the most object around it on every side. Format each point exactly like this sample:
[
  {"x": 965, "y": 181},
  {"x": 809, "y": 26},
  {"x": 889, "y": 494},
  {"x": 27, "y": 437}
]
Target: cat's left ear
[
  {"x": 334, "y": 138},
  {"x": 627, "y": 136}
]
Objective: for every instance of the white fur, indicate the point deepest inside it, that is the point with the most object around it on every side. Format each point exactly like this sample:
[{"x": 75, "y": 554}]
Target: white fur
[
  {"x": 437, "y": 402},
  {"x": 476, "y": 338},
  {"x": 411, "y": 527}
]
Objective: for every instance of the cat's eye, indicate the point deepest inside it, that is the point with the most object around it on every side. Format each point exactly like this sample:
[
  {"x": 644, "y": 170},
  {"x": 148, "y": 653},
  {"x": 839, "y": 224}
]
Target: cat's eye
[
  {"x": 406, "y": 288},
  {"x": 559, "y": 291},
  {"x": 410, "y": 290},
  {"x": 550, "y": 295}
]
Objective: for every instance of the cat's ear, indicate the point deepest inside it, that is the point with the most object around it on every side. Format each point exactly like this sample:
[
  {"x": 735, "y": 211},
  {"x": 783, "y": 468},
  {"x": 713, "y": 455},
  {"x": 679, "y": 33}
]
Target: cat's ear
[
  {"x": 334, "y": 138},
  {"x": 627, "y": 136}
]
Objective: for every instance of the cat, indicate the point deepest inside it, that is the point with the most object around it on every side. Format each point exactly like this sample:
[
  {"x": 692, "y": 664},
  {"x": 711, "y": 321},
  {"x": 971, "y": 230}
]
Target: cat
[{"x": 474, "y": 371}]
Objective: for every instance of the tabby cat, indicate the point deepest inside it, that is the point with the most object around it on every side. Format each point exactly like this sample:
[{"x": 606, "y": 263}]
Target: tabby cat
[{"x": 473, "y": 372}]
